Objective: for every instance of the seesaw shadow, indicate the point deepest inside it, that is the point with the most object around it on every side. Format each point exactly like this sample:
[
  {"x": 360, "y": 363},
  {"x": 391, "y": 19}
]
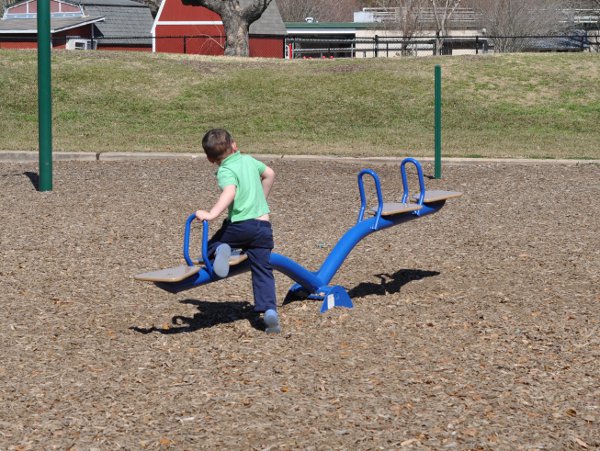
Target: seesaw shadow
[
  {"x": 210, "y": 314},
  {"x": 389, "y": 283}
]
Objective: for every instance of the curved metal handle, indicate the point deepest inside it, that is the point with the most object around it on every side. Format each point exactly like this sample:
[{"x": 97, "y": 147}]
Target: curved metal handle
[
  {"x": 186, "y": 243},
  {"x": 405, "y": 180},
  {"x": 363, "y": 197}
]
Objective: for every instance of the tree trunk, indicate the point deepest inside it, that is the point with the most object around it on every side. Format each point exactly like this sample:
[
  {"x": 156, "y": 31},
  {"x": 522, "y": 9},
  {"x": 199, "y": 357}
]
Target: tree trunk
[
  {"x": 442, "y": 12},
  {"x": 237, "y": 35},
  {"x": 236, "y": 21}
]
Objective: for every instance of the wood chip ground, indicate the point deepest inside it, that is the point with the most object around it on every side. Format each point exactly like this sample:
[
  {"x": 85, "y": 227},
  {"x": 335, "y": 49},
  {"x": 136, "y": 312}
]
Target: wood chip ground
[{"x": 474, "y": 328}]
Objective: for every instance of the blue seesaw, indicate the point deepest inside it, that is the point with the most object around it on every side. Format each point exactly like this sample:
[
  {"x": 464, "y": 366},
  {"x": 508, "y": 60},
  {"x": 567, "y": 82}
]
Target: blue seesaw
[{"x": 309, "y": 284}]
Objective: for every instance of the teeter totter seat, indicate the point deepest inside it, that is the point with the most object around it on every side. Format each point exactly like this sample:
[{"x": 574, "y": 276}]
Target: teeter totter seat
[
  {"x": 181, "y": 272},
  {"x": 311, "y": 284},
  {"x": 169, "y": 275},
  {"x": 438, "y": 195},
  {"x": 395, "y": 208}
]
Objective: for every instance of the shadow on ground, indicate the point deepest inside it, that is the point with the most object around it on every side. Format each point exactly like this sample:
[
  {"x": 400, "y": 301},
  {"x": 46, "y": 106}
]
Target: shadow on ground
[
  {"x": 34, "y": 178},
  {"x": 209, "y": 314},
  {"x": 389, "y": 283}
]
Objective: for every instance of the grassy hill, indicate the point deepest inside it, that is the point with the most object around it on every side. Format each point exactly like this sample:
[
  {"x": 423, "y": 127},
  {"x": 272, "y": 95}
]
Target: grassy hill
[{"x": 517, "y": 105}]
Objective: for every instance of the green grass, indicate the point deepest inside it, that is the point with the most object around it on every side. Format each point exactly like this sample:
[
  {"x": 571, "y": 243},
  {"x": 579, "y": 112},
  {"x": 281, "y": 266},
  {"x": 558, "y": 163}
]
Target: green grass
[{"x": 517, "y": 105}]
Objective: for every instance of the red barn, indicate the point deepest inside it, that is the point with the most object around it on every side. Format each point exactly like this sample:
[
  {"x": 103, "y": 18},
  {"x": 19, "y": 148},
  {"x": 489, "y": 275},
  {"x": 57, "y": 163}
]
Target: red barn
[{"x": 180, "y": 28}]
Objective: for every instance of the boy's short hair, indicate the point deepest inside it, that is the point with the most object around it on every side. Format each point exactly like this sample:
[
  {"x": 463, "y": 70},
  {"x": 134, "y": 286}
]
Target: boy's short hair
[{"x": 216, "y": 142}]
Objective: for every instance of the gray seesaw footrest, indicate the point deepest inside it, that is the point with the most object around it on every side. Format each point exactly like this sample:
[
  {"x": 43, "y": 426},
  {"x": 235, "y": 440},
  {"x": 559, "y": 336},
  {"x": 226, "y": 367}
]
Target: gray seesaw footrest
[
  {"x": 438, "y": 195},
  {"x": 175, "y": 274},
  {"x": 394, "y": 208}
]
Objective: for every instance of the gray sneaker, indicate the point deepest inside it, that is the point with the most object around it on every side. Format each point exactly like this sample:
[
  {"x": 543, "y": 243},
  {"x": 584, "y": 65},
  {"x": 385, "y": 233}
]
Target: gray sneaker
[
  {"x": 221, "y": 262},
  {"x": 271, "y": 319}
]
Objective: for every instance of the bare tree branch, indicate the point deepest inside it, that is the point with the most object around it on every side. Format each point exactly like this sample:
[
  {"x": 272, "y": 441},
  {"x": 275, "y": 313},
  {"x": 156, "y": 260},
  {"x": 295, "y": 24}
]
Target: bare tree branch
[
  {"x": 508, "y": 22},
  {"x": 442, "y": 12},
  {"x": 5, "y": 4},
  {"x": 321, "y": 10},
  {"x": 404, "y": 19}
]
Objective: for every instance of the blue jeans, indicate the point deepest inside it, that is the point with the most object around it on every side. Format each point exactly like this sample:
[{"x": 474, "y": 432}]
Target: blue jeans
[{"x": 255, "y": 237}]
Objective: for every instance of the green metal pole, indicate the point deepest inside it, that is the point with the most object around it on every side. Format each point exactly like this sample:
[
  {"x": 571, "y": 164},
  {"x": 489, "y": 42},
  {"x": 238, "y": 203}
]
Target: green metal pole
[
  {"x": 44, "y": 95},
  {"x": 438, "y": 122}
]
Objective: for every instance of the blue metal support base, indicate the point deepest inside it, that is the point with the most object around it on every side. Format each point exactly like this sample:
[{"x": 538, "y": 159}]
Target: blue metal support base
[{"x": 335, "y": 296}]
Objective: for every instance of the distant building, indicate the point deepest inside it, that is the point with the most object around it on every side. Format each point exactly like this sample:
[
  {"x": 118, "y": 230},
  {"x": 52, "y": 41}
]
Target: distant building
[
  {"x": 80, "y": 24},
  {"x": 376, "y": 32}
]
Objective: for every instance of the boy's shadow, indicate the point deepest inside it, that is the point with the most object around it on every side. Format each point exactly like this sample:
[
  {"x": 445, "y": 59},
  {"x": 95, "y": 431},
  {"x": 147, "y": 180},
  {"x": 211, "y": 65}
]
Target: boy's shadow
[
  {"x": 390, "y": 283},
  {"x": 210, "y": 314}
]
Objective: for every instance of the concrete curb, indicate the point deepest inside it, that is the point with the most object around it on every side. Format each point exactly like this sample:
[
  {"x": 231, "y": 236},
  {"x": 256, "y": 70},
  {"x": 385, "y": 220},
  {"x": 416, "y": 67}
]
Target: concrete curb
[
  {"x": 27, "y": 157},
  {"x": 18, "y": 156},
  {"x": 445, "y": 160},
  {"x": 124, "y": 156}
]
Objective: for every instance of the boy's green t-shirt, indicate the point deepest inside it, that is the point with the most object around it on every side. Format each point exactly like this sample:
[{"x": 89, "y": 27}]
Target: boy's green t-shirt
[{"x": 244, "y": 172}]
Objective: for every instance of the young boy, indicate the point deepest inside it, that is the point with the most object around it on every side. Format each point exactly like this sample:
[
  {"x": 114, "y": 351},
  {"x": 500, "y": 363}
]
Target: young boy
[{"x": 245, "y": 183}]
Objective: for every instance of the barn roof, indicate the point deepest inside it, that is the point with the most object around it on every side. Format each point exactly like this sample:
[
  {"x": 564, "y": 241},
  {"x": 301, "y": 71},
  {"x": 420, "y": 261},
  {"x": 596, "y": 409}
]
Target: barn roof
[
  {"x": 118, "y": 22},
  {"x": 127, "y": 22},
  {"x": 57, "y": 24},
  {"x": 269, "y": 23}
]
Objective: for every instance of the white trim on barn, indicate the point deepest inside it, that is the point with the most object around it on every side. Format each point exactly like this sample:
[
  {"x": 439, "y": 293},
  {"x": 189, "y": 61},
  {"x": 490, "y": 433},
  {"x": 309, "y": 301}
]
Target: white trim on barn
[{"x": 153, "y": 29}]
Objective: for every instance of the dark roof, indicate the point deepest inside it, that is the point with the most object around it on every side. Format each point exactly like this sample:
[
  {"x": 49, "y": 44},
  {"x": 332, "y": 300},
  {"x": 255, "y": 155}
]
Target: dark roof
[
  {"x": 117, "y": 22},
  {"x": 29, "y": 26},
  {"x": 123, "y": 22},
  {"x": 270, "y": 23}
]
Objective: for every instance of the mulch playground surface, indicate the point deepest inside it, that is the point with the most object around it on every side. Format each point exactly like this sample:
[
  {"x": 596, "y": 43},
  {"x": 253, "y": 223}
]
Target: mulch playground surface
[{"x": 477, "y": 327}]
